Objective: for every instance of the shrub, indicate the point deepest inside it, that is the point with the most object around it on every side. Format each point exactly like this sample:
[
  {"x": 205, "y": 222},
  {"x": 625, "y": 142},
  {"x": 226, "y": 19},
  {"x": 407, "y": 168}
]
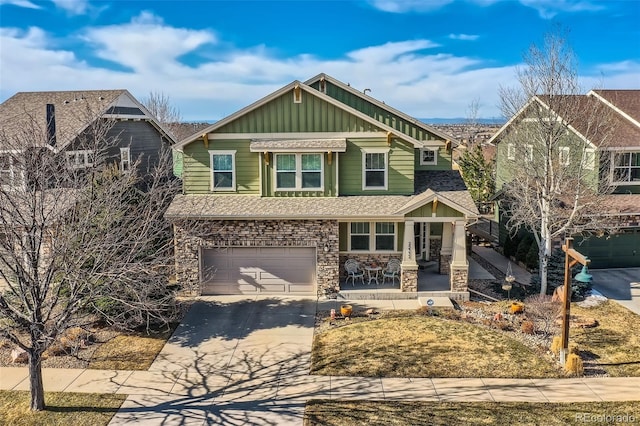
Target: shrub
[
  {"x": 527, "y": 327},
  {"x": 531, "y": 260},
  {"x": 544, "y": 311},
  {"x": 574, "y": 365},
  {"x": 556, "y": 344},
  {"x": 510, "y": 246},
  {"x": 523, "y": 248}
]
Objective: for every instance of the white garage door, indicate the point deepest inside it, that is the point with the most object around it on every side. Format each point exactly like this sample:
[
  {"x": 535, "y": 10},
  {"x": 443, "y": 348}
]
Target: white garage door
[{"x": 250, "y": 270}]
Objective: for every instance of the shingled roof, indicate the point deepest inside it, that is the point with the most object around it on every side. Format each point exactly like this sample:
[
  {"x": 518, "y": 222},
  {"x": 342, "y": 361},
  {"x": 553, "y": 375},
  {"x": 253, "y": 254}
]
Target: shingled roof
[
  {"x": 448, "y": 185},
  {"x": 74, "y": 111}
]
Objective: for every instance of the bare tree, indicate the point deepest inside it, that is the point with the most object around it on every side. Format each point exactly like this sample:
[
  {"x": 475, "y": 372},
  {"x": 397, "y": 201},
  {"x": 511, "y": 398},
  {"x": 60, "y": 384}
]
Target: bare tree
[
  {"x": 550, "y": 177},
  {"x": 77, "y": 243},
  {"x": 160, "y": 105}
]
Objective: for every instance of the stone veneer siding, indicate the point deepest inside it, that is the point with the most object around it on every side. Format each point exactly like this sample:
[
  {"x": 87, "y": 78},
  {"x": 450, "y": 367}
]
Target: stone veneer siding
[
  {"x": 444, "y": 264},
  {"x": 459, "y": 279},
  {"x": 435, "y": 245},
  {"x": 192, "y": 236},
  {"x": 409, "y": 280}
]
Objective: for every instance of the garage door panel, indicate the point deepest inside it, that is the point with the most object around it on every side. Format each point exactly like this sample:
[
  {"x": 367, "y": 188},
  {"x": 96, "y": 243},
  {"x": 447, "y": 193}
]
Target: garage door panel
[{"x": 247, "y": 270}]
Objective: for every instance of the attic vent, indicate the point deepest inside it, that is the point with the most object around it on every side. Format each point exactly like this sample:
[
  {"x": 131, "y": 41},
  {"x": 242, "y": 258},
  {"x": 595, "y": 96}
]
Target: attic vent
[
  {"x": 101, "y": 98},
  {"x": 66, "y": 102},
  {"x": 297, "y": 94}
]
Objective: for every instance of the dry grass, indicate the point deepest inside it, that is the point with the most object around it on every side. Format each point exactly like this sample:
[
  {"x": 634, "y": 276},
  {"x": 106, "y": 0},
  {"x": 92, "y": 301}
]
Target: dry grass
[
  {"x": 614, "y": 345},
  {"x": 129, "y": 352},
  {"x": 77, "y": 409},
  {"x": 346, "y": 413},
  {"x": 424, "y": 346}
]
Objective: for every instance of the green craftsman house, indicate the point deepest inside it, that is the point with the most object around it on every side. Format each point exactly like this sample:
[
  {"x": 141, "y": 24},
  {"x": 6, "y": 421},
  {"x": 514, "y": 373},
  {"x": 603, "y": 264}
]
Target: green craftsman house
[
  {"x": 279, "y": 195},
  {"x": 608, "y": 156}
]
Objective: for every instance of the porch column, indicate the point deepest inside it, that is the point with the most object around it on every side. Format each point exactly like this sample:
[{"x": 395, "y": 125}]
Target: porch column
[
  {"x": 446, "y": 248},
  {"x": 459, "y": 265},
  {"x": 409, "y": 267}
]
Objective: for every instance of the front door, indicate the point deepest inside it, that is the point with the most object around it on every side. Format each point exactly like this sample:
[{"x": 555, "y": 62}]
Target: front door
[{"x": 421, "y": 233}]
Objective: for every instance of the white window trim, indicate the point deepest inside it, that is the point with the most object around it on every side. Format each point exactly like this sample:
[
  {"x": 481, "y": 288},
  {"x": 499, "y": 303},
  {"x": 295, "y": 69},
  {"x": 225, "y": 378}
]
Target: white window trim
[
  {"x": 85, "y": 155},
  {"x": 628, "y": 167},
  {"x": 298, "y": 171},
  {"x": 366, "y": 151},
  {"x": 17, "y": 176},
  {"x": 232, "y": 153},
  {"x": 435, "y": 157},
  {"x": 127, "y": 160},
  {"x": 511, "y": 152},
  {"x": 589, "y": 163},
  {"x": 563, "y": 156},
  {"x": 372, "y": 237},
  {"x": 528, "y": 153}
]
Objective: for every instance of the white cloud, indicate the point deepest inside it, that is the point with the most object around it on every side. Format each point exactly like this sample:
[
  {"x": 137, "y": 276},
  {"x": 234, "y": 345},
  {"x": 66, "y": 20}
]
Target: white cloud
[
  {"x": 548, "y": 9},
  {"x": 20, "y": 3},
  {"x": 145, "y": 43},
  {"x": 403, "y": 6},
  {"x": 73, "y": 7},
  {"x": 464, "y": 37},
  {"x": 404, "y": 74}
]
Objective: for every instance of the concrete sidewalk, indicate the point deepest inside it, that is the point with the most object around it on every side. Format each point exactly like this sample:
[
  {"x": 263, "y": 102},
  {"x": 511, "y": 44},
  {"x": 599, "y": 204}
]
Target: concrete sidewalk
[{"x": 303, "y": 387}]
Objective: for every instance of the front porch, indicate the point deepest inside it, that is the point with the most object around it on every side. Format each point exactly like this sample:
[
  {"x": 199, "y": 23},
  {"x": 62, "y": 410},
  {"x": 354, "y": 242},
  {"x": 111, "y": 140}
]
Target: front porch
[{"x": 431, "y": 283}]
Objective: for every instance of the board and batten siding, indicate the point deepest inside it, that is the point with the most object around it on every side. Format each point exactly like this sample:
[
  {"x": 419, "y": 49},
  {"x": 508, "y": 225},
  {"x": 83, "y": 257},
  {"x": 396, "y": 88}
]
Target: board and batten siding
[
  {"x": 379, "y": 114},
  {"x": 311, "y": 115},
  {"x": 197, "y": 170},
  {"x": 400, "y": 167}
]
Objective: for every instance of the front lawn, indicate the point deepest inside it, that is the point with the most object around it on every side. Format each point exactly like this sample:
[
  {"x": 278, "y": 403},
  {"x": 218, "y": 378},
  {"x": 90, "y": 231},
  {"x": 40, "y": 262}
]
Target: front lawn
[
  {"x": 77, "y": 409},
  {"x": 425, "y": 346},
  {"x": 614, "y": 345},
  {"x": 129, "y": 351},
  {"x": 346, "y": 413}
]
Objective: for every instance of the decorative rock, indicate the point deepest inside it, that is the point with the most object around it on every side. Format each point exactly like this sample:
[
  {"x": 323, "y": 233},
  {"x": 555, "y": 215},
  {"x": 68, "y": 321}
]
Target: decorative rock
[{"x": 19, "y": 356}]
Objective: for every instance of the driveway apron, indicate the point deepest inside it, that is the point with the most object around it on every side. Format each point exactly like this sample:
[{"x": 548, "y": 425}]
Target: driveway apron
[{"x": 233, "y": 360}]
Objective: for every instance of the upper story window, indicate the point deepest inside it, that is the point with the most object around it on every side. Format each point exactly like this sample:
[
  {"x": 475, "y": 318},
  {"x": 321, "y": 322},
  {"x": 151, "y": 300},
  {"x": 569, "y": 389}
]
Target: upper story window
[
  {"x": 428, "y": 157},
  {"x": 626, "y": 168},
  {"x": 223, "y": 170},
  {"x": 511, "y": 151},
  {"x": 589, "y": 159},
  {"x": 563, "y": 155},
  {"x": 299, "y": 171},
  {"x": 80, "y": 159},
  {"x": 361, "y": 237},
  {"x": 375, "y": 168},
  {"x": 528, "y": 153},
  {"x": 11, "y": 172},
  {"x": 125, "y": 159}
]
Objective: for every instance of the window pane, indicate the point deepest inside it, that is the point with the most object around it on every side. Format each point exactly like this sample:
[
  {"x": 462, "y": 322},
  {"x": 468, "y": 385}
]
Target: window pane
[
  {"x": 360, "y": 227},
  {"x": 384, "y": 242},
  {"x": 223, "y": 179},
  {"x": 286, "y": 180},
  {"x": 359, "y": 242},
  {"x": 311, "y": 162},
  {"x": 286, "y": 162},
  {"x": 311, "y": 180},
  {"x": 375, "y": 161},
  {"x": 375, "y": 179},
  {"x": 428, "y": 156},
  {"x": 384, "y": 227},
  {"x": 222, "y": 162}
]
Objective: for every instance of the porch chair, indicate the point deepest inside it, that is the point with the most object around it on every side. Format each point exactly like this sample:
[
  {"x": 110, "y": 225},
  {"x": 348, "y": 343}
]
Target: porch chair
[
  {"x": 391, "y": 271},
  {"x": 353, "y": 271}
]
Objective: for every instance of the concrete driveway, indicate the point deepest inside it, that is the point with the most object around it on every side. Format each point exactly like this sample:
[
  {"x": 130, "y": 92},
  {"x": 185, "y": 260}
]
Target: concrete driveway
[
  {"x": 233, "y": 360},
  {"x": 621, "y": 285}
]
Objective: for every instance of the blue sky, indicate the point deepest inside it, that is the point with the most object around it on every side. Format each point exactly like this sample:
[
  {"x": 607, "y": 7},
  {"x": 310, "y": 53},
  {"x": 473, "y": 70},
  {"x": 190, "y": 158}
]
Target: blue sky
[{"x": 427, "y": 58}]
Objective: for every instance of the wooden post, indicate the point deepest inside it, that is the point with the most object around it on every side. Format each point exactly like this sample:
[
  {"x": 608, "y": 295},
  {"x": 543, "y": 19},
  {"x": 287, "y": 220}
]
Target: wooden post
[{"x": 571, "y": 258}]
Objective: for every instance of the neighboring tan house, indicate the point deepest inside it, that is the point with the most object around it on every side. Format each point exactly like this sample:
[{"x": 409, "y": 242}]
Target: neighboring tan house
[
  {"x": 617, "y": 160},
  {"x": 277, "y": 196},
  {"x": 68, "y": 121}
]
